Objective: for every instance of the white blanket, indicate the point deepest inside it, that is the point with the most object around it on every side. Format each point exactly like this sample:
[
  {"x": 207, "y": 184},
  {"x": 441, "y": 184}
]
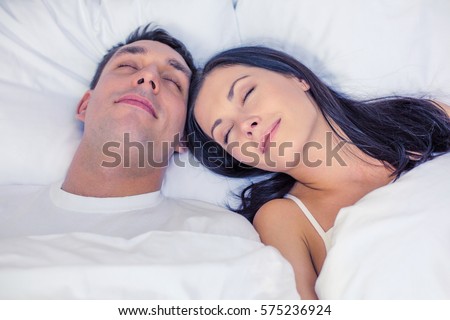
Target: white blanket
[
  {"x": 395, "y": 242},
  {"x": 155, "y": 265}
]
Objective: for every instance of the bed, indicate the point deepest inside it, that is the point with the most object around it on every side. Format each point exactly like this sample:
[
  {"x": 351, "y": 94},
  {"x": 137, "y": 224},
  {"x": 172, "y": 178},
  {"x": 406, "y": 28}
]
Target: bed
[{"x": 393, "y": 244}]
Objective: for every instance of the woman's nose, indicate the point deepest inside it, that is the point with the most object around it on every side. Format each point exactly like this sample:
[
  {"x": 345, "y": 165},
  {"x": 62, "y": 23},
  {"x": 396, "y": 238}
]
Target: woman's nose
[{"x": 249, "y": 125}]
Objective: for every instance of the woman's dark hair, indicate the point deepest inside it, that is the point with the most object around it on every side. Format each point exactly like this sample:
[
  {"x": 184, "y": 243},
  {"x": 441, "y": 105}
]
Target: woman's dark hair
[
  {"x": 146, "y": 33},
  {"x": 402, "y": 132}
]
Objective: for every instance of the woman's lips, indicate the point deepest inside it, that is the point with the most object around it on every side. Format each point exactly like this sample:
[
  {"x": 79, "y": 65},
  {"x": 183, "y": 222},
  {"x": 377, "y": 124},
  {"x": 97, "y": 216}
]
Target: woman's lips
[
  {"x": 270, "y": 133},
  {"x": 139, "y": 102}
]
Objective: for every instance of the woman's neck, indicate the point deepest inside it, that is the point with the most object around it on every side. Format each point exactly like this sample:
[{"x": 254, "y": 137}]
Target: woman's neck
[
  {"x": 339, "y": 164},
  {"x": 328, "y": 188}
]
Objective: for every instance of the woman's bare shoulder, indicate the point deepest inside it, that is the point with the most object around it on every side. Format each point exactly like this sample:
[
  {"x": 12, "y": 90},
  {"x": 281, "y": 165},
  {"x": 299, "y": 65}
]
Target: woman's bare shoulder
[
  {"x": 278, "y": 214},
  {"x": 276, "y": 207}
]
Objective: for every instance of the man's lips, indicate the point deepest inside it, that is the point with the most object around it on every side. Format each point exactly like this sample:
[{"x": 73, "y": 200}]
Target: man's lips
[
  {"x": 139, "y": 102},
  {"x": 265, "y": 140}
]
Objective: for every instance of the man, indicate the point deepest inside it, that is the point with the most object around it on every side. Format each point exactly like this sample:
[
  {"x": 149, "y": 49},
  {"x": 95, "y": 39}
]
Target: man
[
  {"x": 140, "y": 91},
  {"x": 133, "y": 117}
]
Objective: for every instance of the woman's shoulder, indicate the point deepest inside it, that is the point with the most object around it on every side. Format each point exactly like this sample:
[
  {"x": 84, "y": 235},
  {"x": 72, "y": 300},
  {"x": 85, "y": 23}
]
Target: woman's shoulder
[{"x": 278, "y": 214}]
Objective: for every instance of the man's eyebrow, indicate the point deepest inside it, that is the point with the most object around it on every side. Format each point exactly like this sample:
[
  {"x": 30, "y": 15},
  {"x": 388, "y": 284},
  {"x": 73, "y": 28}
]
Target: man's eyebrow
[
  {"x": 131, "y": 50},
  {"x": 177, "y": 65},
  {"x": 231, "y": 92},
  {"x": 216, "y": 123}
]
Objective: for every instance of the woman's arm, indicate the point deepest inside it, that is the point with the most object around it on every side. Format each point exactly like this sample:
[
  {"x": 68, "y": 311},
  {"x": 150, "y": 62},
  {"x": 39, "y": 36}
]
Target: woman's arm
[{"x": 280, "y": 226}]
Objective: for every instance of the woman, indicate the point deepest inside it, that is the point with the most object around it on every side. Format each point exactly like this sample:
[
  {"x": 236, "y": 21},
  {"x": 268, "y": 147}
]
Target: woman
[{"x": 260, "y": 112}]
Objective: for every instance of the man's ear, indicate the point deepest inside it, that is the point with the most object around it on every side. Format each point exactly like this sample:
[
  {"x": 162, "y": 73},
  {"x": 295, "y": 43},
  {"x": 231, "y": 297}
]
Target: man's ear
[
  {"x": 181, "y": 148},
  {"x": 181, "y": 145},
  {"x": 82, "y": 106}
]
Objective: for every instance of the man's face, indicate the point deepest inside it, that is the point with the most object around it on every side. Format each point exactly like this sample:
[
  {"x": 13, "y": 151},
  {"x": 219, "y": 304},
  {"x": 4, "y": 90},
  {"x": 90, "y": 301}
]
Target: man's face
[{"x": 142, "y": 92}]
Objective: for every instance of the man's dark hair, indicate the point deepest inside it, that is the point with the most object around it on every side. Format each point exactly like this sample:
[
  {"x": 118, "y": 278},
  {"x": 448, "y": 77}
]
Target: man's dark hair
[{"x": 146, "y": 33}]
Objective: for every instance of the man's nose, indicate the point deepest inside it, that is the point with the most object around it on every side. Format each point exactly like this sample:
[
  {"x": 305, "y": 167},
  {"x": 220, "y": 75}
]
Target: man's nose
[{"x": 148, "y": 78}]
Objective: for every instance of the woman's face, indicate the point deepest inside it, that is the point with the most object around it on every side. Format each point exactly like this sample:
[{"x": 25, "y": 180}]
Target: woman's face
[{"x": 262, "y": 118}]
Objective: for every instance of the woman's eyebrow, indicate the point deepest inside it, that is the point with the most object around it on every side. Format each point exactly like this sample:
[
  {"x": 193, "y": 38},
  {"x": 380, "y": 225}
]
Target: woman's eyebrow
[{"x": 231, "y": 92}]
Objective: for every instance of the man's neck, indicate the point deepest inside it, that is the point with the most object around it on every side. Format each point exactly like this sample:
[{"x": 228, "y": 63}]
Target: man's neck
[{"x": 87, "y": 176}]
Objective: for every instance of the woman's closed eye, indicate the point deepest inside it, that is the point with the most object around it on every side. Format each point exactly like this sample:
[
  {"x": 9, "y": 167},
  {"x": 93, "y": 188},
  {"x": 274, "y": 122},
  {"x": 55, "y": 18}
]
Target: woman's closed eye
[
  {"x": 227, "y": 135},
  {"x": 247, "y": 94},
  {"x": 245, "y": 97}
]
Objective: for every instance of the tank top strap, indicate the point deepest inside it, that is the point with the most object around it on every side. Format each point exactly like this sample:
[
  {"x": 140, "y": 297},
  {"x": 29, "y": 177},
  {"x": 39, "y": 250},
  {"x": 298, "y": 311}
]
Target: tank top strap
[
  {"x": 308, "y": 215},
  {"x": 326, "y": 236}
]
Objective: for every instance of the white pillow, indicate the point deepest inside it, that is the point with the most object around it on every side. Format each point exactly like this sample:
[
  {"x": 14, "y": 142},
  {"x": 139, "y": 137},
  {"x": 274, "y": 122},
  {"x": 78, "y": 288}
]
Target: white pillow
[
  {"x": 186, "y": 178},
  {"x": 365, "y": 48},
  {"x": 50, "y": 50}
]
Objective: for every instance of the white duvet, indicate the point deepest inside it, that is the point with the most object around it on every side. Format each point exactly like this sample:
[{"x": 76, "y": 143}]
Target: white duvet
[
  {"x": 395, "y": 242},
  {"x": 155, "y": 265}
]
